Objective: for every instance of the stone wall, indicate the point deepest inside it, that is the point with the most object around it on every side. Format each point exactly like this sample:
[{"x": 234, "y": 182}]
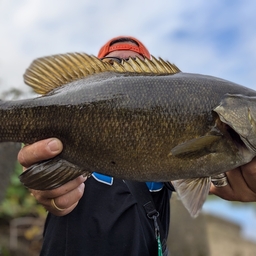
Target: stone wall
[
  {"x": 206, "y": 235},
  {"x": 225, "y": 238}
]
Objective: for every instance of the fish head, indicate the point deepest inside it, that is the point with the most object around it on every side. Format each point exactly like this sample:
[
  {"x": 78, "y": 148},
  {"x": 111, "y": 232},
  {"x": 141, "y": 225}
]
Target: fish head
[{"x": 239, "y": 113}]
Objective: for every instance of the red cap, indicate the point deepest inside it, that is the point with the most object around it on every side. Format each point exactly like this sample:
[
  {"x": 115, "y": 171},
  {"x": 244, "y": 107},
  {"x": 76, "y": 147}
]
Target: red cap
[{"x": 107, "y": 48}]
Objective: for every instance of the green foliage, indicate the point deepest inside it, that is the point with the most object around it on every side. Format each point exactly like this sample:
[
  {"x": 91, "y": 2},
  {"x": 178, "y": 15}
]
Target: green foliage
[
  {"x": 18, "y": 201},
  {"x": 4, "y": 251}
]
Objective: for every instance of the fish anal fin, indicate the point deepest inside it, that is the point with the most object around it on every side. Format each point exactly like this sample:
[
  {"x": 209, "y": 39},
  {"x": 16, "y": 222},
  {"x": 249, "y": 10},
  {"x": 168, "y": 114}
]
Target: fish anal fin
[
  {"x": 196, "y": 147},
  {"x": 50, "y": 174},
  {"x": 193, "y": 193}
]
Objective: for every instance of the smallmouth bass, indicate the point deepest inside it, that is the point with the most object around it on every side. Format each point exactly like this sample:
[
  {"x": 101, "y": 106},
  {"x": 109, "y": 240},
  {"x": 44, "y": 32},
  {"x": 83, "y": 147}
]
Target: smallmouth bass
[{"x": 138, "y": 120}]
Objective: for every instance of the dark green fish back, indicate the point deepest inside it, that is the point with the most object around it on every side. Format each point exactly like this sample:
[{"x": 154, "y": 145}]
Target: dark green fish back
[{"x": 121, "y": 123}]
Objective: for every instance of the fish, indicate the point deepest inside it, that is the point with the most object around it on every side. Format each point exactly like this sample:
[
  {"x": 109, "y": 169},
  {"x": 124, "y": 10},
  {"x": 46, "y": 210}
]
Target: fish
[{"x": 142, "y": 120}]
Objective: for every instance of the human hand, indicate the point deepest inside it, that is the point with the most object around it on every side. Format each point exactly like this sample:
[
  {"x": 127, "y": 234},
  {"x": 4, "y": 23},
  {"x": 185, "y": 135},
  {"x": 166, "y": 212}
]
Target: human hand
[
  {"x": 241, "y": 184},
  {"x": 65, "y": 197}
]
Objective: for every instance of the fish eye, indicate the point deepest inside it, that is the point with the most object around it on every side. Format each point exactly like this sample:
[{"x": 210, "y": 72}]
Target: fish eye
[{"x": 111, "y": 60}]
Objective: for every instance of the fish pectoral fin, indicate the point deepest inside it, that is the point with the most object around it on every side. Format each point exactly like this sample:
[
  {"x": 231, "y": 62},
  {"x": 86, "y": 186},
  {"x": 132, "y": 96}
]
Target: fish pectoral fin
[
  {"x": 50, "y": 174},
  {"x": 193, "y": 193},
  {"x": 195, "y": 147}
]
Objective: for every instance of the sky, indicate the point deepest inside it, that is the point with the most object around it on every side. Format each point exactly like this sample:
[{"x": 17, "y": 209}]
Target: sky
[
  {"x": 243, "y": 214},
  {"x": 208, "y": 37}
]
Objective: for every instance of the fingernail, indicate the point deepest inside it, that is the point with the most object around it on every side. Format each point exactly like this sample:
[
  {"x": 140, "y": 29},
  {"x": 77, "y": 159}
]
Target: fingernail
[{"x": 54, "y": 145}]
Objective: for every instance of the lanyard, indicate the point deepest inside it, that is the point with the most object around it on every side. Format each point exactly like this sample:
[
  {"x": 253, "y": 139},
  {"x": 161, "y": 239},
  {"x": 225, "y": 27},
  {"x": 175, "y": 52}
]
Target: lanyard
[
  {"x": 157, "y": 232},
  {"x": 141, "y": 192}
]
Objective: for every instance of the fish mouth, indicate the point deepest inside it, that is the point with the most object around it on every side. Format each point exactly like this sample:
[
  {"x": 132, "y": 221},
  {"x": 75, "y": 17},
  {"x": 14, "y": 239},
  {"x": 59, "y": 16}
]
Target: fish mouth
[
  {"x": 235, "y": 136},
  {"x": 240, "y": 145},
  {"x": 227, "y": 131}
]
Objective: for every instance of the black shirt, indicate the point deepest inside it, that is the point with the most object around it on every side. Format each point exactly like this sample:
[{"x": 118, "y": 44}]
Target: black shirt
[{"x": 106, "y": 221}]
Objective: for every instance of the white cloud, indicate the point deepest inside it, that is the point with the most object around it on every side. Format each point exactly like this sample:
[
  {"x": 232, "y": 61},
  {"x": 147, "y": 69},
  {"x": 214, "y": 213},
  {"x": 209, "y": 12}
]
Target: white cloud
[{"x": 189, "y": 33}]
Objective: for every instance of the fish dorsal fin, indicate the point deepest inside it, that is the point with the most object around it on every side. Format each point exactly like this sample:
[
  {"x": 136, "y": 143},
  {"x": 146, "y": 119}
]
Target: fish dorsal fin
[{"x": 48, "y": 73}]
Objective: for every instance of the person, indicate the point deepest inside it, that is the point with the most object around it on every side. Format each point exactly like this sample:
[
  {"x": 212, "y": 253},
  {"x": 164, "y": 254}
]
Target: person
[{"x": 102, "y": 215}]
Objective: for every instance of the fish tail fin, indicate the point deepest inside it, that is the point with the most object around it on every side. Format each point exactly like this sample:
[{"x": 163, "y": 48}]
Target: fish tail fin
[{"x": 193, "y": 193}]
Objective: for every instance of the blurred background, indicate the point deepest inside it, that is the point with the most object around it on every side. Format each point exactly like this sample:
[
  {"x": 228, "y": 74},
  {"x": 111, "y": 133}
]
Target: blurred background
[{"x": 209, "y": 37}]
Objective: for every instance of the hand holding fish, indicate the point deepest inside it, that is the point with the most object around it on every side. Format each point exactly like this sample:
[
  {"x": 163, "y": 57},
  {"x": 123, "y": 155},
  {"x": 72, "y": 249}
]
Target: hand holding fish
[
  {"x": 241, "y": 184},
  {"x": 59, "y": 201},
  {"x": 241, "y": 181}
]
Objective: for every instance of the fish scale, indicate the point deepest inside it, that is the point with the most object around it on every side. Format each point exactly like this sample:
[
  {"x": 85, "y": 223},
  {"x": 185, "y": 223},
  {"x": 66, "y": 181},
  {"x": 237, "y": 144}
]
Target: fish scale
[
  {"x": 129, "y": 125},
  {"x": 119, "y": 100}
]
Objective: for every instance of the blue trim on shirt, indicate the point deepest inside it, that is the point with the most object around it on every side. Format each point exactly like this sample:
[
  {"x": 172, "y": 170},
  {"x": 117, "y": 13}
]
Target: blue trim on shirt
[
  {"x": 154, "y": 186},
  {"x": 103, "y": 178},
  {"x": 108, "y": 180}
]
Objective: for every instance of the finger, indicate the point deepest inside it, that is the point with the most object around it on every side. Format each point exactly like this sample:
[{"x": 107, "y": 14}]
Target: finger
[
  {"x": 249, "y": 174},
  {"x": 64, "y": 189},
  {"x": 41, "y": 150},
  {"x": 237, "y": 188},
  {"x": 241, "y": 191},
  {"x": 62, "y": 213},
  {"x": 66, "y": 202},
  {"x": 43, "y": 197},
  {"x": 227, "y": 192}
]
